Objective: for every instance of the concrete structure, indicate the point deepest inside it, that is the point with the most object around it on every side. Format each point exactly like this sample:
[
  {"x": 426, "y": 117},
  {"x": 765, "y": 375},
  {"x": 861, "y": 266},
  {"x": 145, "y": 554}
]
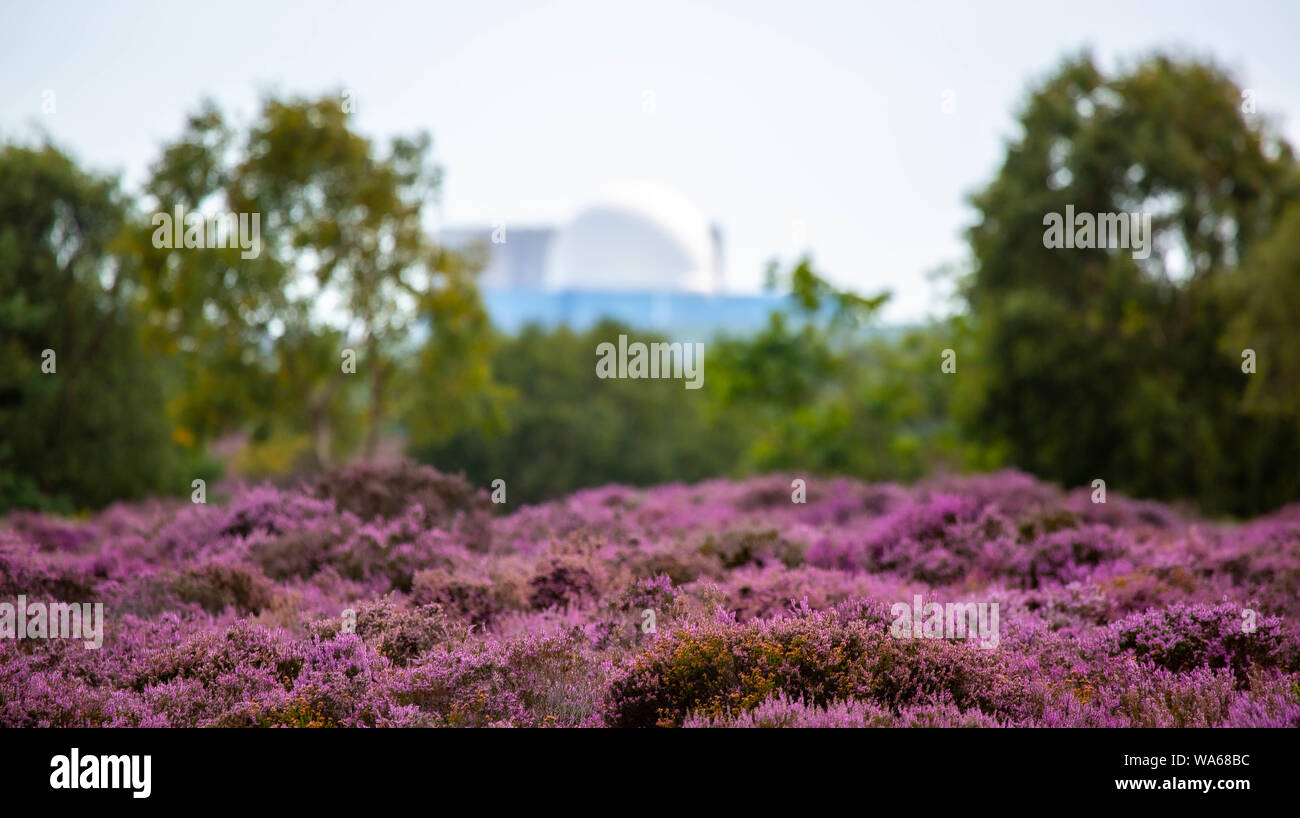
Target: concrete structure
[{"x": 642, "y": 254}]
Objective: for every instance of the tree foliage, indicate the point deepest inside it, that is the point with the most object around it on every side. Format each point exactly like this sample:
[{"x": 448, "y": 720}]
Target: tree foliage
[
  {"x": 348, "y": 267},
  {"x": 1103, "y": 365},
  {"x": 91, "y": 429}
]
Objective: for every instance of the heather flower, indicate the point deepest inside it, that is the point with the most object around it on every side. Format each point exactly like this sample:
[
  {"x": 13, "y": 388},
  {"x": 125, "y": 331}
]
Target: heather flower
[{"x": 390, "y": 595}]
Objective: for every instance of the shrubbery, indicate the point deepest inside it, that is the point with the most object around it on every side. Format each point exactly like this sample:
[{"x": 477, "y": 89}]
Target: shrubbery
[{"x": 680, "y": 605}]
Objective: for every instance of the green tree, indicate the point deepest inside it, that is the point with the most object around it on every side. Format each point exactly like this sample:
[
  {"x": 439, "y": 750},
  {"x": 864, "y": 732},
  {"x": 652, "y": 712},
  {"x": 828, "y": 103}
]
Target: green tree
[
  {"x": 800, "y": 387},
  {"x": 1100, "y": 364},
  {"x": 566, "y": 428},
  {"x": 346, "y": 268},
  {"x": 1264, "y": 302},
  {"x": 92, "y": 430}
]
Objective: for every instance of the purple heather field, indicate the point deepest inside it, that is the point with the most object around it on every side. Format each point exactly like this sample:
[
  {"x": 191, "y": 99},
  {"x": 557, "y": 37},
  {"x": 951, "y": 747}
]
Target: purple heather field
[{"x": 396, "y": 596}]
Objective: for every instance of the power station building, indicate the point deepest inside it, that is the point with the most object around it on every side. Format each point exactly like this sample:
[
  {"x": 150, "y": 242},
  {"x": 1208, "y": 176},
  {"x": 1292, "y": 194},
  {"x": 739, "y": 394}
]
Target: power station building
[{"x": 642, "y": 255}]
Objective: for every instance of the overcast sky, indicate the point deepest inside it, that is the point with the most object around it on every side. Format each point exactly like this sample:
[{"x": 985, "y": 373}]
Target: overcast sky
[{"x": 766, "y": 115}]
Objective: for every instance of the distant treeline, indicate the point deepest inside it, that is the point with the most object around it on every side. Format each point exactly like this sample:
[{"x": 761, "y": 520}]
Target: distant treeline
[{"x": 1173, "y": 374}]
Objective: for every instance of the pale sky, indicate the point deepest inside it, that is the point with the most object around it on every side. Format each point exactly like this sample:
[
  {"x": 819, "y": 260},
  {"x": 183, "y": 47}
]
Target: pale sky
[{"x": 765, "y": 115}]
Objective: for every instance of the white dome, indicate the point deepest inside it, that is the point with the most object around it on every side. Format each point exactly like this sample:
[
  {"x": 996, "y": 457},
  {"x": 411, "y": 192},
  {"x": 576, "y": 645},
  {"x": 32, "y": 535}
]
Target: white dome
[{"x": 639, "y": 237}]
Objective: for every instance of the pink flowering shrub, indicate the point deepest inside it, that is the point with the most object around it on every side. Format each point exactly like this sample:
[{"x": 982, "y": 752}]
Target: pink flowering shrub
[
  {"x": 1183, "y": 637},
  {"x": 818, "y": 657},
  {"x": 781, "y": 711},
  {"x": 394, "y": 596}
]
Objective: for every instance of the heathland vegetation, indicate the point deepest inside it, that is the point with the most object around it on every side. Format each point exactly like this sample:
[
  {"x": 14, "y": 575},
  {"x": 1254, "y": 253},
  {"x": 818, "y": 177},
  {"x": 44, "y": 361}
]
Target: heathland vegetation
[{"x": 130, "y": 369}]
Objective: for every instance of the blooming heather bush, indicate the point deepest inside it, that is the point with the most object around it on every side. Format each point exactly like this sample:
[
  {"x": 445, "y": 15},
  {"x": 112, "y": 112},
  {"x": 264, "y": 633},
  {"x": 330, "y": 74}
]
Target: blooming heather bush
[
  {"x": 1183, "y": 637},
  {"x": 759, "y": 547},
  {"x": 399, "y": 634},
  {"x": 473, "y": 598},
  {"x": 391, "y": 596},
  {"x": 560, "y": 584},
  {"x": 216, "y": 586},
  {"x": 384, "y": 490},
  {"x": 781, "y": 711},
  {"x": 815, "y": 657}
]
